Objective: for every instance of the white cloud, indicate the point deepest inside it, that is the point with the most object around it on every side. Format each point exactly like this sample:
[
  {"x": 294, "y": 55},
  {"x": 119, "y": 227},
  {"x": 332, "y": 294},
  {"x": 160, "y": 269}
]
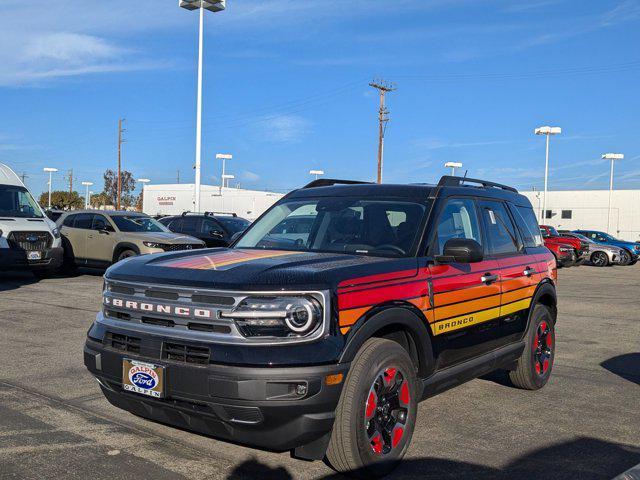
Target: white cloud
[
  {"x": 436, "y": 143},
  {"x": 285, "y": 128},
  {"x": 249, "y": 176}
]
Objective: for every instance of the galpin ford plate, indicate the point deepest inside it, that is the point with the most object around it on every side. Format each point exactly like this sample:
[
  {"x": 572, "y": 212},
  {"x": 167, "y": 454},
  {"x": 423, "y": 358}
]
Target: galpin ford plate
[{"x": 143, "y": 378}]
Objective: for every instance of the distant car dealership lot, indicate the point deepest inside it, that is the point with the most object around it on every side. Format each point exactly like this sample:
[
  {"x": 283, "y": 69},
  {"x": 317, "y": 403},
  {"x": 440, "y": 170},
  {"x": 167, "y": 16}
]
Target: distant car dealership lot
[{"x": 584, "y": 424}]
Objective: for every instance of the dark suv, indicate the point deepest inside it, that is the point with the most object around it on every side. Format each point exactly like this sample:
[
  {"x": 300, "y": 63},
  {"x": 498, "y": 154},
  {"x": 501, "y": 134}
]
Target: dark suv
[
  {"x": 214, "y": 229},
  {"x": 324, "y": 343}
]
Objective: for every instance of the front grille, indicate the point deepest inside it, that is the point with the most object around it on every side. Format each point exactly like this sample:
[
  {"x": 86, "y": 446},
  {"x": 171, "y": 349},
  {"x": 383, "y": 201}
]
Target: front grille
[
  {"x": 30, "y": 241},
  {"x": 121, "y": 342},
  {"x": 185, "y": 353},
  {"x": 180, "y": 246}
]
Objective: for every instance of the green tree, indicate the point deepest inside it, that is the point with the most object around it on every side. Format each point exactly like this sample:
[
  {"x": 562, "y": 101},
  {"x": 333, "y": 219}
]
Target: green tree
[
  {"x": 100, "y": 200},
  {"x": 62, "y": 200},
  {"x": 127, "y": 186}
]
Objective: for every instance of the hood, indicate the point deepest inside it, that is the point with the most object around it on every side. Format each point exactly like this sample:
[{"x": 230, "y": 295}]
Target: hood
[
  {"x": 608, "y": 248},
  {"x": 162, "y": 237},
  {"x": 573, "y": 242},
  {"x": 17, "y": 224},
  {"x": 255, "y": 269}
]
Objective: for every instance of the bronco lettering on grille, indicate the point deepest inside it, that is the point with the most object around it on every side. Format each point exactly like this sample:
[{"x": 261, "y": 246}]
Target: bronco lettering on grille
[{"x": 147, "y": 307}]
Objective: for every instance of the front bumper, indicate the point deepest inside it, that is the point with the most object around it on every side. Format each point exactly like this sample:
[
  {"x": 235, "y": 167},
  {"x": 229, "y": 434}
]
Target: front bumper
[
  {"x": 14, "y": 259},
  {"x": 256, "y": 406}
]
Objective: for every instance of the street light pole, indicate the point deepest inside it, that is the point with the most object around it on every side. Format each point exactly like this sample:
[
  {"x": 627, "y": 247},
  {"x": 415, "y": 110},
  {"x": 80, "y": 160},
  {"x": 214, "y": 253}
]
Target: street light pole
[
  {"x": 548, "y": 131},
  {"x": 224, "y": 157},
  {"x": 317, "y": 173},
  {"x": 86, "y": 197},
  {"x": 613, "y": 157},
  {"x": 50, "y": 171},
  {"x": 213, "y": 6}
]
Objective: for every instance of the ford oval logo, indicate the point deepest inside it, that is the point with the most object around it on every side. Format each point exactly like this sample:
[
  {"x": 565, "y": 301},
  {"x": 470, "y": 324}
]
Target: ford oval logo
[
  {"x": 32, "y": 238},
  {"x": 143, "y": 377}
]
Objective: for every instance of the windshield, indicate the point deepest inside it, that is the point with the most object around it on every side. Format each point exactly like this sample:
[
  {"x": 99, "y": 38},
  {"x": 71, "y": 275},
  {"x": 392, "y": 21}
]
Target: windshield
[
  {"x": 581, "y": 237},
  {"x": 137, "y": 223},
  {"x": 233, "y": 224},
  {"x": 17, "y": 202},
  {"x": 551, "y": 232},
  {"x": 382, "y": 227}
]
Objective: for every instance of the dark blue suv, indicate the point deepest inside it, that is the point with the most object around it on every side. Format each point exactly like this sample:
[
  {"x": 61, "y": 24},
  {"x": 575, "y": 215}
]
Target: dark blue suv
[{"x": 631, "y": 249}]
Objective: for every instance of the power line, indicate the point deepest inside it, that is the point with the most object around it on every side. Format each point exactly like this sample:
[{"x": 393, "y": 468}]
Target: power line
[{"x": 119, "y": 181}]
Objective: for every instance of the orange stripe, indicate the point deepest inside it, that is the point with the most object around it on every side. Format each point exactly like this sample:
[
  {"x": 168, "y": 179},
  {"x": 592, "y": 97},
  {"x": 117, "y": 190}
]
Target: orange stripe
[
  {"x": 508, "y": 297},
  {"x": 467, "y": 307},
  {"x": 465, "y": 294},
  {"x": 349, "y": 317}
]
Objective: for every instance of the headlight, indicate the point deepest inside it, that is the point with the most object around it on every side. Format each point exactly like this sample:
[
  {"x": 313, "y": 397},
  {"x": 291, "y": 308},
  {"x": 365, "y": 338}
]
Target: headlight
[
  {"x": 154, "y": 245},
  {"x": 565, "y": 249},
  {"x": 277, "y": 316},
  {"x": 636, "y": 247},
  {"x": 56, "y": 233}
]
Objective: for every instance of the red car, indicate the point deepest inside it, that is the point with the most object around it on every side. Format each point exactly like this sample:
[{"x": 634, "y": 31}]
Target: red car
[{"x": 568, "y": 251}]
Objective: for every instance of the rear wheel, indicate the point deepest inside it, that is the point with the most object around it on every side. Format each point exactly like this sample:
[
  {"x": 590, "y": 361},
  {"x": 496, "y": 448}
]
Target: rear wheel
[
  {"x": 599, "y": 259},
  {"x": 534, "y": 365},
  {"x": 376, "y": 414}
]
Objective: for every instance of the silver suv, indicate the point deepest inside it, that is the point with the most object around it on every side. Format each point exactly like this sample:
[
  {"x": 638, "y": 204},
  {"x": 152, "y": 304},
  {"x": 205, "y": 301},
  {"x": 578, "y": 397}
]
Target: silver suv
[{"x": 100, "y": 238}]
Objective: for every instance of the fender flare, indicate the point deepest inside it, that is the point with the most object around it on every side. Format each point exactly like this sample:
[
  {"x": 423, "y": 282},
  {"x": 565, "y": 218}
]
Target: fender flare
[
  {"x": 395, "y": 315},
  {"x": 546, "y": 287},
  {"x": 124, "y": 246}
]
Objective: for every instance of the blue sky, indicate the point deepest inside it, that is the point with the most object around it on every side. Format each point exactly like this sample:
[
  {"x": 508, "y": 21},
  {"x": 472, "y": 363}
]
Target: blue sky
[{"x": 286, "y": 89}]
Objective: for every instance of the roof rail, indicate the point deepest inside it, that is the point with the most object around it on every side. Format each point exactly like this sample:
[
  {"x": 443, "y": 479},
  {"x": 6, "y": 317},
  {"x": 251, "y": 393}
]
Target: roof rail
[
  {"x": 450, "y": 181},
  {"x": 327, "y": 182},
  {"x": 209, "y": 214}
]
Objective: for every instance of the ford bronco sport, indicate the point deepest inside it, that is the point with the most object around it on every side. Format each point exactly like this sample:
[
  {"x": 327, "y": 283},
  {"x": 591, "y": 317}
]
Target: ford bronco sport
[{"x": 324, "y": 344}]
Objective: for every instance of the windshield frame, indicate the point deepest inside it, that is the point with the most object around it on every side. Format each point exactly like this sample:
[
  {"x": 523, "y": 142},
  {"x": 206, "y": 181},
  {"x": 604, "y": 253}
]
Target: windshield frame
[
  {"x": 114, "y": 219},
  {"x": 418, "y": 239},
  {"x": 37, "y": 210}
]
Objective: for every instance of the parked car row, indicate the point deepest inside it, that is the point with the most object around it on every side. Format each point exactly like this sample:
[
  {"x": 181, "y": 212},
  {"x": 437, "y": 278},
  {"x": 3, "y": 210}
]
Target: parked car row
[{"x": 598, "y": 248}]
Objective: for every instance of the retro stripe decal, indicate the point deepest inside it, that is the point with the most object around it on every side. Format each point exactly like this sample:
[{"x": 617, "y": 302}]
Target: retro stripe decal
[{"x": 223, "y": 260}]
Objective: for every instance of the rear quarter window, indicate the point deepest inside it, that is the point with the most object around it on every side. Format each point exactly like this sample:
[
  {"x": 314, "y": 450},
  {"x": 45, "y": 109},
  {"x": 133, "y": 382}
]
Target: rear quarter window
[{"x": 528, "y": 225}]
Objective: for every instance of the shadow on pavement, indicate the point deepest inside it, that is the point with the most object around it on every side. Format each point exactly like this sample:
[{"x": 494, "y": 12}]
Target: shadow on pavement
[
  {"x": 15, "y": 280},
  {"x": 626, "y": 366},
  {"x": 583, "y": 458}
]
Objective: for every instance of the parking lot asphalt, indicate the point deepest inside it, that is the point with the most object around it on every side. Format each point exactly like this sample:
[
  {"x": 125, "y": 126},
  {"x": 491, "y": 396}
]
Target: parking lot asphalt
[{"x": 55, "y": 423}]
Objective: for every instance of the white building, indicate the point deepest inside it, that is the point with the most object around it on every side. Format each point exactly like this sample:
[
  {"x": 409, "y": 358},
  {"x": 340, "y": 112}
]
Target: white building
[
  {"x": 588, "y": 209},
  {"x": 173, "y": 199}
]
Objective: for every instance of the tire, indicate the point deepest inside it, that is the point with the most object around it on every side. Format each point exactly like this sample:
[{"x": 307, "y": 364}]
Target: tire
[
  {"x": 381, "y": 384},
  {"x": 599, "y": 259},
  {"x": 126, "y": 254},
  {"x": 536, "y": 362},
  {"x": 625, "y": 258}
]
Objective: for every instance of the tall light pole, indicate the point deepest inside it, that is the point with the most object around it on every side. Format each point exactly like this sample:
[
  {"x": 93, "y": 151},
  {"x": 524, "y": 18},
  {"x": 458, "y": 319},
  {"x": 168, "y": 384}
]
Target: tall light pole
[
  {"x": 613, "y": 157},
  {"x": 453, "y": 166},
  {"x": 548, "y": 131},
  {"x": 50, "y": 171},
  {"x": 212, "y": 6},
  {"x": 86, "y": 197},
  {"x": 317, "y": 173},
  {"x": 224, "y": 157},
  {"x": 143, "y": 181}
]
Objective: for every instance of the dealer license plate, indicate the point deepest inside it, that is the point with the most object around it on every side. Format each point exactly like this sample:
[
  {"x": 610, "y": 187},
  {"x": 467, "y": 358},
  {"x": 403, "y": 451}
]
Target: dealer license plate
[
  {"x": 34, "y": 255},
  {"x": 143, "y": 378}
]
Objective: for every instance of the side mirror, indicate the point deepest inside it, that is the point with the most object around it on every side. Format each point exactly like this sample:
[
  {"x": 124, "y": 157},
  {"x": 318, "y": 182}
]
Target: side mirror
[
  {"x": 461, "y": 250},
  {"x": 216, "y": 233}
]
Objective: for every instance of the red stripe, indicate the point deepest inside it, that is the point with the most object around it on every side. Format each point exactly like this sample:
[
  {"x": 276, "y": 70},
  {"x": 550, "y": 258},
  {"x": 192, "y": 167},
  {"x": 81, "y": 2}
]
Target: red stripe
[{"x": 380, "y": 295}]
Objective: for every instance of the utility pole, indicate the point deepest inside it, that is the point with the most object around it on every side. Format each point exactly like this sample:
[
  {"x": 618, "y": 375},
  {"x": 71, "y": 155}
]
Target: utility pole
[
  {"x": 23, "y": 176},
  {"x": 70, "y": 178},
  {"x": 178, "y": 172},
  {"x": 382, "y": 87},
  {"x": 120, "y": 141}
]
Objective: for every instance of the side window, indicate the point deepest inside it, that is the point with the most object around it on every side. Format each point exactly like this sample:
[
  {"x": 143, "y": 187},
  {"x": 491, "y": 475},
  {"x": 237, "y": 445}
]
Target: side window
[
  {"x": 68, "y": 221},
  {"x": 99, "y": 223},
  {"x": 174, "y": 225},
  {"x": 458, "y": 220},
  {"x": 501, "y": 234},
  {"x": 528, "y": 225},
  {"x": 83, "y": 220},
  {"x": 190, "y": 225},
  {"x": 208, "y": 225}
]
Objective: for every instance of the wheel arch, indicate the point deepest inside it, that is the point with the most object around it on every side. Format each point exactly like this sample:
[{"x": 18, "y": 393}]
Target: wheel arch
[
  {"x": 546, "y": 295},
  {"x": 120, "y": 247},
  {"x": 400, "y": 322}
]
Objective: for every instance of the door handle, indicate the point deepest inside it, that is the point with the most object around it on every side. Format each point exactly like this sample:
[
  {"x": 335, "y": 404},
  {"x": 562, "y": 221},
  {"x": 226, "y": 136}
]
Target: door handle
[
  {"x": 488, "y": 278},
  {"x": 90, "y": 236},
  {"x": 528, "y": 272}
]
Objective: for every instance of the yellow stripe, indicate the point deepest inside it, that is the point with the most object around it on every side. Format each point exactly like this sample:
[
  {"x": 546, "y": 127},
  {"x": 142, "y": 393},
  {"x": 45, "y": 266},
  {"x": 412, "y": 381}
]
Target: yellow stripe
[
  {"x": 515, "y": 306},
  {"x": 464, "y": 321}
]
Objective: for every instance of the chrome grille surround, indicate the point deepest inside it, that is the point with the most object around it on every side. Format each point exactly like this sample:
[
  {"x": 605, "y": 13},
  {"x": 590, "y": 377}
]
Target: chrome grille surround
[{"x": 224, "y": 330}]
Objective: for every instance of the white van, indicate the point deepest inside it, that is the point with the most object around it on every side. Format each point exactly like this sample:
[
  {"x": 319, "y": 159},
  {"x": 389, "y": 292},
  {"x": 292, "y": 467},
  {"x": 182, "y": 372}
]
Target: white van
[{"x": 28, "y": 239}]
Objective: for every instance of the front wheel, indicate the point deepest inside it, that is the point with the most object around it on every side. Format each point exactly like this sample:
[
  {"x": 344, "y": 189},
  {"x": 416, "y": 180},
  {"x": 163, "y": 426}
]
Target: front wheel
[
  {"x": 126, "y": 254},
  {"x": 625, "y": 258},
  {"x": 376, "y": 414},
  {"x": 534, "y": 365}
]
